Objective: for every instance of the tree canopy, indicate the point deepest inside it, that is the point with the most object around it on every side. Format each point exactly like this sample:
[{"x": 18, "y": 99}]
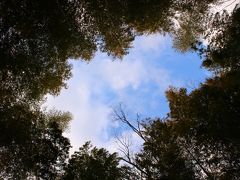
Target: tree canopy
[
  {"x": 37, "y": 37},
  {"x": 30, "y": 144},
  {"x": 93, "y": 163},
  {"x": 199, "y": 138}
]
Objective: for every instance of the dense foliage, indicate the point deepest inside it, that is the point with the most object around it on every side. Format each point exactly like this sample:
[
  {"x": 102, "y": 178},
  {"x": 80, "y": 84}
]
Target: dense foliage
[
  {"x": 199, "y": 139},
  {"x": 93, "y": 163},
  {"x": 31, "y": 144}
]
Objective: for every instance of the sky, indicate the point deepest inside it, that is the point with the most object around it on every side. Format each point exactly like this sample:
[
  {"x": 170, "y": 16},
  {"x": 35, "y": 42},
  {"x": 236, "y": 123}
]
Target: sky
[{"x": 138, "y": 82}]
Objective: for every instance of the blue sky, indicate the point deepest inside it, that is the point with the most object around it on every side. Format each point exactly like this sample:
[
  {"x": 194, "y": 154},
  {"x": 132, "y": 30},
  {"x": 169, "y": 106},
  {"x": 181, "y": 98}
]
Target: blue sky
[{"x": 139, "y": 81}]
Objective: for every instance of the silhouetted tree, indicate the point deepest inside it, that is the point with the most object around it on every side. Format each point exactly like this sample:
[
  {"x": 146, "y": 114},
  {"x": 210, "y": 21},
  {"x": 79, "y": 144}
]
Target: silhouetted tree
[
  {"x": 208, "y": 117},
  {"x": 93, "y": 163},
  {"x": 223, "y": 51},
  {"x": 30, "y": 144},
  {"x": 161, "y": 156},
  {"x": 207, "y": 120}
]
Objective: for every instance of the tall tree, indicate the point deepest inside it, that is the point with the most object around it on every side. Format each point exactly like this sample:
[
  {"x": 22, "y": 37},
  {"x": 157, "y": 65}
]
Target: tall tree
[
  {"x": 161, "y": 156},
  {"x": 93, "y": 163},
  {"x": 208, "y": 117},
  {"x": 30, "y": 144},
  {"x": 207, "y": 122}
]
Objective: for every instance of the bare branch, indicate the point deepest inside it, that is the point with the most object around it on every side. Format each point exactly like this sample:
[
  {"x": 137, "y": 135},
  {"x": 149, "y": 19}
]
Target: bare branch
[
  {"x": 135, "y": 165},
  {"x": 124, "y": 147},
  {"x": 119, "y": 115}
]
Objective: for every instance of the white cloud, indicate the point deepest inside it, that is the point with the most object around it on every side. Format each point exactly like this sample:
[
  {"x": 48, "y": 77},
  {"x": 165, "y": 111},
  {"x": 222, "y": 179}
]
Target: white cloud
[
  {"x": 102, "y": 83},
  {"x": 153, "y": 43},
  {"x": 122, "y": 74}
]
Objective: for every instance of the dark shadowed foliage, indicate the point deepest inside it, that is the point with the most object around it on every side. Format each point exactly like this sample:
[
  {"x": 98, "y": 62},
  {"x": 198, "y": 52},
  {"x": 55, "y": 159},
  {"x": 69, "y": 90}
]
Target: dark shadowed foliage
[
  {"x": 30, "y": 145},
  {"x": 200, "y": 137},
  {"x": 93, "y": 163}
]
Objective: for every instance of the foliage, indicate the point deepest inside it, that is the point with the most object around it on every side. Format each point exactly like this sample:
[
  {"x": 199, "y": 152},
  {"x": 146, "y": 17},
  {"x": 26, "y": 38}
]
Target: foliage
[
  {"x": 59, "y": 117},
  {"x": 223, "y": 51},
  {"x": 199, "y": 139},
  {"x": 30, "y": 146},
  {"x": 93, "y": 163},
  {"x": 37, "y": 37},
  {"x": 207, "y": 119},
  {"x": 161, "y": 156},
  {"x": 207, "y": 123}
]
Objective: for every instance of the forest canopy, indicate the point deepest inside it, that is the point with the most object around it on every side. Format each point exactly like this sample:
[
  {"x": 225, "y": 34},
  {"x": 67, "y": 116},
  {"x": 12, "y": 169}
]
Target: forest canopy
[{"x": 199, "y": 138}]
